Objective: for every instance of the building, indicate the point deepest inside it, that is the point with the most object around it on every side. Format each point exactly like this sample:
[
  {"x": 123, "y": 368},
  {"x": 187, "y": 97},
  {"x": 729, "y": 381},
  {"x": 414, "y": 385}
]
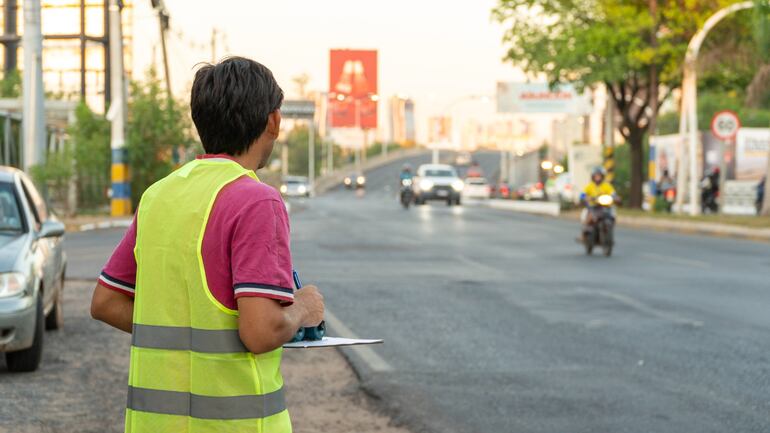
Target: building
[
  {"x": 75, "y": 46},
  {"x": 402, "y": 124}
]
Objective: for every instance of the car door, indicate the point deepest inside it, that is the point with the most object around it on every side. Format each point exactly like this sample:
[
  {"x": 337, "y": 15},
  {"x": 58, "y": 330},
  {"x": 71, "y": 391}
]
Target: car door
[{"x": 48, "y": 249}]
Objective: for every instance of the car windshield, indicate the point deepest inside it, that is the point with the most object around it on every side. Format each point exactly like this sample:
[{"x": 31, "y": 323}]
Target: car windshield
[
  {"x": 10, "y": 217},
  {"x": 439, "y": 173},
  {"x": 476, "y": 181}
]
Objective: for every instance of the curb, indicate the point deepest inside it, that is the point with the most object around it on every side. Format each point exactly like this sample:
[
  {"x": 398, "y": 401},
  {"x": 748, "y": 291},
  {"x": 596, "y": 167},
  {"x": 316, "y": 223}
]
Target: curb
[
  {"x": 108, "y": 224},
  {"x": 696, "y": 228}
]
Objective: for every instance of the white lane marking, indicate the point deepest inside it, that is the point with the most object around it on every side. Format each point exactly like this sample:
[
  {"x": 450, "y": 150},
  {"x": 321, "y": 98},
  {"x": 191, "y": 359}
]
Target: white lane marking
[
  {"x": 370, "y": 357},
  {"x": 640, "y": 306},
  {"x": 676, "y": 260}
]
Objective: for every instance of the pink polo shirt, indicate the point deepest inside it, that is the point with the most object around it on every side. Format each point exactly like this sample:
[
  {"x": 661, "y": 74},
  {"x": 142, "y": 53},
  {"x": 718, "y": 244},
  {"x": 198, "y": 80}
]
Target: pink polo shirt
[{"x": 245, "y": 247}]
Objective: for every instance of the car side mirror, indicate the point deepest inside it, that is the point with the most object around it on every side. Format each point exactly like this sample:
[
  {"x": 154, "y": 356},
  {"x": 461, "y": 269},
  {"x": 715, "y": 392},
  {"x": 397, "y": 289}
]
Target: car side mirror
[{"x": 51, "y": 229}]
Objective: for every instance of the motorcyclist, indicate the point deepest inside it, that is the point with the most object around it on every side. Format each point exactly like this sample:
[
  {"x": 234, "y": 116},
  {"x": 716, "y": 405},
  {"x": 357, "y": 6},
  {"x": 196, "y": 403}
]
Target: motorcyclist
[
  {"x": 591, "y": 193},
  {"x": 710, "y": 191},
  {"x": 760, "y": 194},
  {"x": 406, "y": 173}
]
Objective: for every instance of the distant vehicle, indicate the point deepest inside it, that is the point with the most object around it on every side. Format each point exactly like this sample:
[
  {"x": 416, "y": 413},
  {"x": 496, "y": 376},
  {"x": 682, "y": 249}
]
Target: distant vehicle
[
  {"x": 406, "y": 193},
  {"x": 437, "y": 182},
  {"x": 531, "y": 191},
  {"x": 32, "y": 267},
  {"x": 477, "y": 187},
  {"x": 296, "y": 186},
  {"x": 563, "y": 188},
  {"x": 355, "y": 181},
  {"x": 463, "y": 158},
  {"x": 502, "y": 190}
]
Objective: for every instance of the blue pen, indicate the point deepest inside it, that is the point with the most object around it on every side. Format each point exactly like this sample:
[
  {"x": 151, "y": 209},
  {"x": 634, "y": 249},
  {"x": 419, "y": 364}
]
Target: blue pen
[{"x": 295, "y": 275}]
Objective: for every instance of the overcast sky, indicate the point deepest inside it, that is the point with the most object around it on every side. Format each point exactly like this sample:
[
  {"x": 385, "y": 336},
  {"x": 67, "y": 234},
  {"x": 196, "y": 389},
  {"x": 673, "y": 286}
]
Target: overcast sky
[{"x": 432, "y": 50}]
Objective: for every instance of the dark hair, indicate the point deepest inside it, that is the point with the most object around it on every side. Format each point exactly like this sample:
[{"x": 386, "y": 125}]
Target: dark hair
[{"x": 231, "y": 102}]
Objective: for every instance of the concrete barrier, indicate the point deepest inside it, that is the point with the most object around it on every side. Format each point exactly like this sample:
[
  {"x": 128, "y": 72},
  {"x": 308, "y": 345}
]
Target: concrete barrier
[
  {"x": 535, "y": 207},
  {"x": 330, "y": 181}
]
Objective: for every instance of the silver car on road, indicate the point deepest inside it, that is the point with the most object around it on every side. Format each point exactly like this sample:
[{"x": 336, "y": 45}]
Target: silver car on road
[{"x": 32, "y": 267}]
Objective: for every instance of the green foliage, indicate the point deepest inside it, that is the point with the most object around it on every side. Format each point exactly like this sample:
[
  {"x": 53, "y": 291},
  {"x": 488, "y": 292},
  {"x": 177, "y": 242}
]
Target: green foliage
[
  {"x": 297, "y": 140},
  {"x": 712, "y": 102},
  {"x": 55, "y": 174},
  {"x": 376, "y": 149},
  {"x": 10, "y": 85},
  {"x": 156, "y": 127},
  {"x": 622, "y": 180},
  {"x": 90, "y": 137}
]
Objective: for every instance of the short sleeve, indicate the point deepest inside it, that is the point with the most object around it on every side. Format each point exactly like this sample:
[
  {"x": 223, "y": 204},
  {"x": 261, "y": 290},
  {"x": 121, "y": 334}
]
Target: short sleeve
[
  {"x": 120, "y": 271},
  {"x": 260, "y": 253}
]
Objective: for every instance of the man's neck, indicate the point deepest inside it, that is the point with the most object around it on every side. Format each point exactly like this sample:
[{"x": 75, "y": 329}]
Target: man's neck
[{"x": 250, "y": 159}]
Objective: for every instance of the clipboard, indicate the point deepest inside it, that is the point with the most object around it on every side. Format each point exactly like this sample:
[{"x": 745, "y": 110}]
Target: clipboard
[{"x": 330, "y": 342}]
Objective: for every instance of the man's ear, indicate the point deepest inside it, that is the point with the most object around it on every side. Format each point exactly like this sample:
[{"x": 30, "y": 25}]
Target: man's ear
[{"x": 274, "y": 123}]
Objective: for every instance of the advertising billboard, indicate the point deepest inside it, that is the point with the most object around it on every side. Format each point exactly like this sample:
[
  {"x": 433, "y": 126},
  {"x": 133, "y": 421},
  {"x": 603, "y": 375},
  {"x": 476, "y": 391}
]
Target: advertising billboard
[
  {"x": 513, "y": 97},
  {"x": 752, "y": 145},
  {"x": 353, "y": 89}
]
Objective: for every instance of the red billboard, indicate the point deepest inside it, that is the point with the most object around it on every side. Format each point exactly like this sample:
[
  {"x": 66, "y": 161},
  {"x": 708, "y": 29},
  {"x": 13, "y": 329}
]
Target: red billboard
[{"x": 353, "y": 89}]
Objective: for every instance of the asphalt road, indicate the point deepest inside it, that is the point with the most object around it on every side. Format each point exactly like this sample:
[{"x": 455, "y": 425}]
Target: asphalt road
[{"x": 496, "y": 321}]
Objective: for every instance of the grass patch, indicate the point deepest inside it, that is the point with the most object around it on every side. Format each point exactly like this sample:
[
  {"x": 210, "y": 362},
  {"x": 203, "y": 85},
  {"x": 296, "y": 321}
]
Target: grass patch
[{"x": 736, "y": 220}]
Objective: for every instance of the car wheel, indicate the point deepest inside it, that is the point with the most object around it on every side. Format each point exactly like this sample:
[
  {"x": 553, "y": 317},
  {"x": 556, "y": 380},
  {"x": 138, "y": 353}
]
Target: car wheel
[
  {"x": 55, "y": 318},
  {"x": 449, "y": 202},
  {"x": 458, "y": 202},
  {"x": 29, "y": 359}
]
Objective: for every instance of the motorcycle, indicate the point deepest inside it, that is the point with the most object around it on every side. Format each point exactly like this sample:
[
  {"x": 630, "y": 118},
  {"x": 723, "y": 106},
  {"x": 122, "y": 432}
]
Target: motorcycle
[
  {"x": 406, "y": 193},
  {"x": 600, "y": 229}
]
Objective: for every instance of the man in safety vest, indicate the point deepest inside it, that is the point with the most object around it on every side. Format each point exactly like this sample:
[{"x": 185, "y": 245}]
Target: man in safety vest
[{"x": 203, "y": 277}]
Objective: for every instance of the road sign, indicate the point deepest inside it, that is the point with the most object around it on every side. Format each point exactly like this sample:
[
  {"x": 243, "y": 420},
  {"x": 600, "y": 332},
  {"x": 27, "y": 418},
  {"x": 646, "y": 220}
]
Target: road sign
[
  {"x": 725, "y": 125},
  {"x": 298, "y": 109}
]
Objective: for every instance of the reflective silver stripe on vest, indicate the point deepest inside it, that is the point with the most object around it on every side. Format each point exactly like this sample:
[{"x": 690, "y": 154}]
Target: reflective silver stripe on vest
[
  {"x": 205, "y": 407},
  {"x": 183, "y": 338}
]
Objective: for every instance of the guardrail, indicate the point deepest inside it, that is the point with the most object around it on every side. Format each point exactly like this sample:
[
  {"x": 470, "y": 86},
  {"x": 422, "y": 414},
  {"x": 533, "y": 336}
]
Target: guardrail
[{"x": 329, "y": 181}]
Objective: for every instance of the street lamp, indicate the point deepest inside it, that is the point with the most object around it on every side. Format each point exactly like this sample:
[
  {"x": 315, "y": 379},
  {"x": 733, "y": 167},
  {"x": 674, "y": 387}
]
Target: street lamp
[{"x": 546, "y": 165}]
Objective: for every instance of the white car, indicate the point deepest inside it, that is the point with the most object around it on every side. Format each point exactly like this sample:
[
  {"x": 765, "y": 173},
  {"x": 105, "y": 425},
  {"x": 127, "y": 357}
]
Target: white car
[
  {"x": 295, "y": 186},
  {"x": 477, "y": 187},
  {"x": 437, "y": 182}
]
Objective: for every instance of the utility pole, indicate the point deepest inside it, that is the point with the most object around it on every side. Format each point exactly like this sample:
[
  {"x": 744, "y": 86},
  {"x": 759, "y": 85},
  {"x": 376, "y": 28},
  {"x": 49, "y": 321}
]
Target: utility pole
[
  {"x": 121, "y": 191},
  {"x": 164, "y": 22},
  {"x": 609, "y": 135},
  {"x": 33, "y": 111},
  {"x": 311, "y": 154}
]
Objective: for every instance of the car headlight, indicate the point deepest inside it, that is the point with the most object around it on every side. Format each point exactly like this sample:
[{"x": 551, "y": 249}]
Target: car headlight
[
  {"x": 606, "y": 200},
  {"x": 426, "y": 184},
  {"x": 458, "y": 185},
  {"x": 302, "y": 189},
  {"x": 284, "y": 188},
  {"x": 12, "y": 283},
  {"x": 348, "y": 181},
  {"x": 360, "y": 180}
]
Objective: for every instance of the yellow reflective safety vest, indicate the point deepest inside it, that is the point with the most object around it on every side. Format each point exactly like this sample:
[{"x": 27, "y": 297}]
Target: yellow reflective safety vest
[{"x": 190, "y": 372}]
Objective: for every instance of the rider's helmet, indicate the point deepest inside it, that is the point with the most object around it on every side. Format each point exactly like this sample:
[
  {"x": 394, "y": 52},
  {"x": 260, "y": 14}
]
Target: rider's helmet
[
  {"x": 407, "y": 168},
  {"x": 598, "y": 174}
]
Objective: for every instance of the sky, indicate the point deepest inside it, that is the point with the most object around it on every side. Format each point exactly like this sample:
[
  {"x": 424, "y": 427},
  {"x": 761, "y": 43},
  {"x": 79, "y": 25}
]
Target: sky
[{"x": 434, "y": 51}]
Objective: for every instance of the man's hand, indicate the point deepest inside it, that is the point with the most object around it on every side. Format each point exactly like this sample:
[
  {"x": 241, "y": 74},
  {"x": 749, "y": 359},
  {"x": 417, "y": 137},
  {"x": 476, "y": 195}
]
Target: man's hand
[
  {"x": 265, "y": 325},
  {"x": 312, "y": 301}
]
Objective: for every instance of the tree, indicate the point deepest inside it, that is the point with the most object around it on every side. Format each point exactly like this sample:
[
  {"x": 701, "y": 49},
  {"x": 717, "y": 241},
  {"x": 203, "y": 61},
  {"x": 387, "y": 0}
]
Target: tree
[
  {"x": 634, "y": 47},
  {"x": 157, "y": 127},
  {"x": 90, "y": 137}
]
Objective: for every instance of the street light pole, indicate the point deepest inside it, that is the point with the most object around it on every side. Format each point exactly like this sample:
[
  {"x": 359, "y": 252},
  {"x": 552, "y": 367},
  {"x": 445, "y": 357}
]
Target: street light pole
[{"x": 688, "y": 124}]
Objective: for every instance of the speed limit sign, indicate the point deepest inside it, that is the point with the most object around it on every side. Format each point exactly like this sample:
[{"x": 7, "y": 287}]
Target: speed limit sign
[{"x": 725, "y": 125}]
